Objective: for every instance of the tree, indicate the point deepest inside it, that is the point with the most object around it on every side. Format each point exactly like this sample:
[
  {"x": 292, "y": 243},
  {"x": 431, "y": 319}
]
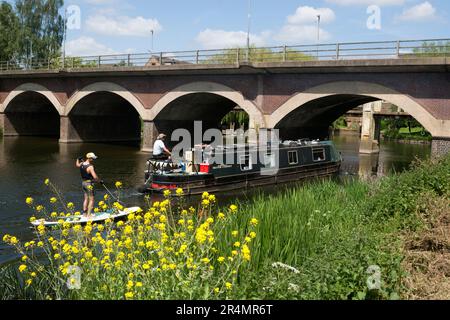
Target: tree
[
  {"x": 8, "y": 32},
  {"x": 41, "y": 29},
  {"x": 230, "y": 56},
  {"x": 433, "y": 49}
]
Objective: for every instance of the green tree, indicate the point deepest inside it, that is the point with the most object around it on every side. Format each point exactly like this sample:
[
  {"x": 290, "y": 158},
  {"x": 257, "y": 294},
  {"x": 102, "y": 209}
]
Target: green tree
[
  {"x": 230, "y": 56},
  {"x": 433, "y": 49},
  {"x": 8, "y": 32},
  {"x": 41, "y": 29}
]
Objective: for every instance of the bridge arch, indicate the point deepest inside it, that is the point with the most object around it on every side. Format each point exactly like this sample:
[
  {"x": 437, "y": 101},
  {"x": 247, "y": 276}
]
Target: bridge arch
[
  {"x": 31, "y": 110},
  {"x": 257, "y": 119},
  {"x": 106, "y": 87},
  {"x": 36, "y": 88},
  {"x": 366, "y": 92},
  {"x": 103, "y": 112}
]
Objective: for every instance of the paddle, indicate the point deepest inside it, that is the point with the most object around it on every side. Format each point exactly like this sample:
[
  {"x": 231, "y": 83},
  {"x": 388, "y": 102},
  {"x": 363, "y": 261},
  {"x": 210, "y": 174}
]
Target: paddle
[{"x": 114, "y": 197}]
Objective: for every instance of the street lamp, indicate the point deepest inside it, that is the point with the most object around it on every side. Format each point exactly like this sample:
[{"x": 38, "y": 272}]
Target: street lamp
[
  {"x": 249, "y": 20},
  {"x": 152, "y": 31},
  {"x": 318, "y": 35}
]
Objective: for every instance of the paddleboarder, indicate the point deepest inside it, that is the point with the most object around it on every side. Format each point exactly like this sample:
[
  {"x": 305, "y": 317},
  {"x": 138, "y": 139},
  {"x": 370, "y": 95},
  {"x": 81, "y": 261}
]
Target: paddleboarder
[{"x": 89, "y": 177}]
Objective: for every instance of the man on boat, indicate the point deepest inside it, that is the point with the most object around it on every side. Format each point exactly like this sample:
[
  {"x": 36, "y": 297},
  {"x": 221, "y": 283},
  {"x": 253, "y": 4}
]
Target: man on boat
[
  {"x": 160, "y": 152},
  {"x": 89, "y": 177}
]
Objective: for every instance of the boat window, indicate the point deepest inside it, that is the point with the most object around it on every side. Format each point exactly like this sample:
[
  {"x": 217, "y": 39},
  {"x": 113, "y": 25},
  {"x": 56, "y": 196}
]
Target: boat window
[
  {"x": 293, "y": 157},
  {"x": 319, "y": 155},
  {"x": 246, "y": 163},
  {"x": 270, "y": 160}
]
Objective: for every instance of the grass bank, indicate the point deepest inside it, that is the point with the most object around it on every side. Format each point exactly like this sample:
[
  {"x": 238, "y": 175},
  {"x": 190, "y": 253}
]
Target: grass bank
[{"x": 324, "y": 240}]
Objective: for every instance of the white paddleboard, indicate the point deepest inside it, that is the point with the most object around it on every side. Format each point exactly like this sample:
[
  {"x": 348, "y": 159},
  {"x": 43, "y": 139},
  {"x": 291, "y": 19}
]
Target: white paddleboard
[{"x": 98, "y": 218}]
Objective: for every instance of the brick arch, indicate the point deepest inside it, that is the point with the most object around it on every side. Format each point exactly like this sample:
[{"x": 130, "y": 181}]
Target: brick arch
[
  {"x": 32, "y": 87},
  {"x": 256, "y": 116},
  {"x": 107, "y": 87},
  {"x": 438, "y": 128}
]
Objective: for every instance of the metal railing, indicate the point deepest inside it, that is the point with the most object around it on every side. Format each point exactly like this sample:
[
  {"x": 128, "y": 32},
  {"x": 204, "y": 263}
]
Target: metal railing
[{"x": 405, "y": 49}]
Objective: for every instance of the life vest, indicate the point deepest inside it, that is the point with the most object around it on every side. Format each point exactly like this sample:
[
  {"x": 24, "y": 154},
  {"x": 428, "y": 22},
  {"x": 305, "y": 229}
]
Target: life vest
[{"x": 84, "y": 174}]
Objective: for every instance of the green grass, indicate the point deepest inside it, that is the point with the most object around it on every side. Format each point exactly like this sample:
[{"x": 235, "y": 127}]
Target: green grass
[{"x": 329, "y": 233}]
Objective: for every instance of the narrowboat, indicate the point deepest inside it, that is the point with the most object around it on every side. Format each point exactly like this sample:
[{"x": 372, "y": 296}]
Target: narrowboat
[{"x": 227, "y": 168}]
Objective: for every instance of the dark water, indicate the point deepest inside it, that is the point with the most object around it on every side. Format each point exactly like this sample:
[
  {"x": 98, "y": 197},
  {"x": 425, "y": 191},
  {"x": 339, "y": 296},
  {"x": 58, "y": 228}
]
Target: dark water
[{"x": 26, "y": 162}]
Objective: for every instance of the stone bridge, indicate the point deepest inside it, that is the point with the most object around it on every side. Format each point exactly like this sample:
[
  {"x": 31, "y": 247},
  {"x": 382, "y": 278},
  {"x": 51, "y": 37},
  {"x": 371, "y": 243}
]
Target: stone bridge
[{"x": 301, "y": 99}]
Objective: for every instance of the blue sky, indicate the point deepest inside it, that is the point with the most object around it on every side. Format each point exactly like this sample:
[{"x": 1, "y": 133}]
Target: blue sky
[{"x": 124, "y": 26}]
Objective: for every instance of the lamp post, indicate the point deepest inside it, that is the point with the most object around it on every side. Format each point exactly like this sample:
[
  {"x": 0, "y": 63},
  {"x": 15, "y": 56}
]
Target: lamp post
[
  {"x": 64, "y": 39},
  {"x": 249, "y": 20},
  {"x": 152, "y": 31},
  {"x": 318, "y": 35}
]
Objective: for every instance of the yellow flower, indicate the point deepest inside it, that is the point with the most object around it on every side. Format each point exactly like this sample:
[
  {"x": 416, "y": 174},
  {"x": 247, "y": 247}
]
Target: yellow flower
[
  {"x": 28, "y": 282},
  {"x": 179, "y": 192},
  {"x": 205, "y": 195},
  {"x": 33, "y": 275},
  {"x": 70, "y": 205},
  {"x": 205, "y": 202},
  {"x": 24, "y": 258},
  {"x": 53, "y": 200},
  {"x": 233, "y": 208},
  {"x": 129, "y": 295},
  {"x": 235, "y": 233},
  {"x": 32, "y": 219},
  {"x": 253, "y": 235},
  {"x": 166, "y": 193},
  {"x": 22, "y": 268},
  {"x": 221, "y": 259},
  {"x": 47, "y": 182},
  {"x": 106, "y": 197},
  {"x": 221, "y": 216},
  {"x": 118, "y": 184},
  {"x": 228, "y": 285},
  {"x": 205, "y": 260},
  {"x": 237, "y": 244},
  {"x": 29, "y": 201},
  {"x": 246, "y": 252},
  {"x": 254, "y": 222},
  {"x": 216, "y": 290},
  {"x": 39, "y": 208},
  {"x": 138, "y": 284}
]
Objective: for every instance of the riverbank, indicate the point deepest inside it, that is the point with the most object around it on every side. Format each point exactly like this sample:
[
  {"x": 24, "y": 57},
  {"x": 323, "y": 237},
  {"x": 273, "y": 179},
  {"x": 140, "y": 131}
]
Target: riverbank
[{"x": 323, "y": 240}]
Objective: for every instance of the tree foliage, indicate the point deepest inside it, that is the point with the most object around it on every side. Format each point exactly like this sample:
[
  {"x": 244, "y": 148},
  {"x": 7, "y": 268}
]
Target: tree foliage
[
  {"x": 31, "y": 30},
  {"x": 433, "y": 49},
  {"x": 255, "y": 55}
]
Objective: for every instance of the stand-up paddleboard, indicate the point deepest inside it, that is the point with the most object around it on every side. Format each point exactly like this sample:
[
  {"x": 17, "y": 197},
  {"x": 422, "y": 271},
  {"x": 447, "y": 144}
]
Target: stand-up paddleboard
[{"x": 96, "y": 218}]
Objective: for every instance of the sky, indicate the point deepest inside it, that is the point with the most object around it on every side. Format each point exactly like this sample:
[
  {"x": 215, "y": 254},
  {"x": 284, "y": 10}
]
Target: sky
[{"x": 125, "y": 26}]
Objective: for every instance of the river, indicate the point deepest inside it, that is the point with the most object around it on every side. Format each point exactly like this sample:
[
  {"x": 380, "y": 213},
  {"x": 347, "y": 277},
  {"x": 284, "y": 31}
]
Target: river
[{"x": 25, "y": 162}]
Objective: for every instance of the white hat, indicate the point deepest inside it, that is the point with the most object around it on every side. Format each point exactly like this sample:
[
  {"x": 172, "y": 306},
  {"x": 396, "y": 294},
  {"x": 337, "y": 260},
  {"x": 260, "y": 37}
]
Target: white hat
[
  {"x": 160, "y": 136},
  {"x": 91, "y": 155}
]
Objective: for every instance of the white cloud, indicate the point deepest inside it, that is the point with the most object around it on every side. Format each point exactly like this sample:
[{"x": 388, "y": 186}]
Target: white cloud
[
  {"x": 421, "y": 12},
  {"x": 218, "y": 39},
  {"x": 307, "y": 15},
  {"x": 87, "y": 46},
  {"x": 298, "y": 34},
  {"x": 301, "y": 27},
  {"x": 101, "y": 2},
  {"x": 367, "y": 2},
  {"x": 122, "y": 25}
]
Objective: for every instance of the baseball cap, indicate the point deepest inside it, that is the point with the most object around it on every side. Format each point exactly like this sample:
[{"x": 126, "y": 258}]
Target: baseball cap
[{"x": 91, "y": 155}]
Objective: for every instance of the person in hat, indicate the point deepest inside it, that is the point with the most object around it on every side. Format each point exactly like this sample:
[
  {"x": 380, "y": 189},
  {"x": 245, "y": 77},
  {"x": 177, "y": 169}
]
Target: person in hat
[
  {"x": 89, "y": 177},
  {"x": 160, "y": 151}
]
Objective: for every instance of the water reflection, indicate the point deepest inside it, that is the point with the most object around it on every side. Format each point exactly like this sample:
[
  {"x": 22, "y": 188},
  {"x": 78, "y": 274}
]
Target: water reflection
[{"x": 26, "y": 162}]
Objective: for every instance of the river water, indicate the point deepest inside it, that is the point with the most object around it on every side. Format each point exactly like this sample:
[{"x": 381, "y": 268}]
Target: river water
[{"x": 26, "y": 162}]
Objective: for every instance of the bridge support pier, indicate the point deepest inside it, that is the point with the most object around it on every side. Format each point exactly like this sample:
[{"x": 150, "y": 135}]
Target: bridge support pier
[
  {"x": 150, "y": 133},
  {"x": 370, "y": 133},
  {"x": 440, "y": 146},
  {"x": 2, "y": 124},
  {"x": 68, "y": 133}
]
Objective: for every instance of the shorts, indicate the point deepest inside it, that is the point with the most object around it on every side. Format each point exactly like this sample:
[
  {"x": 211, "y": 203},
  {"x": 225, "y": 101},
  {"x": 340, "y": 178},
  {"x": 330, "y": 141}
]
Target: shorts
[{"x": 88, "y": 188}]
